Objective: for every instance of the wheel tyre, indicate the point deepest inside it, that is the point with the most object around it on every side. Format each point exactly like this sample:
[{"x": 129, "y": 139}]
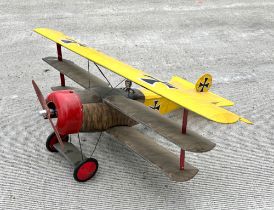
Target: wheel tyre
[
  {"x": 85, "y": 170},
  {"x": 52, "y": 139}
]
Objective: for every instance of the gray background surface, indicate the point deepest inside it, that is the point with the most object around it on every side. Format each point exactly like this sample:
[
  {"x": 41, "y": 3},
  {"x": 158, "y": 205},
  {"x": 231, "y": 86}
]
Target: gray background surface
[{"x": 233, "y": 40}]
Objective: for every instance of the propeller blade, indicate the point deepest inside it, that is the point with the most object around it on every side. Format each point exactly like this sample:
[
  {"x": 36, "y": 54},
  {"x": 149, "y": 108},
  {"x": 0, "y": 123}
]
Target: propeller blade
[
  {"x": 40, "y": 96},
  {"x": 56, "y": 132},
  {"x": 45, "y": 107}
]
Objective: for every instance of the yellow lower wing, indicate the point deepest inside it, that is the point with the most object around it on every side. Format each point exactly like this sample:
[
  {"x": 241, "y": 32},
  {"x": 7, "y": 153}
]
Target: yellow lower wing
[{"x": 196, "y": 104}]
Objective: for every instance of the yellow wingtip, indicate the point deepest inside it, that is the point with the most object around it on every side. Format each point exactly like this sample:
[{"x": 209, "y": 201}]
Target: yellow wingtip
[
  {"x": 38, "y": 29},
  {"x": 246, "y": 121},
  {"x": 229, "y": 118}
]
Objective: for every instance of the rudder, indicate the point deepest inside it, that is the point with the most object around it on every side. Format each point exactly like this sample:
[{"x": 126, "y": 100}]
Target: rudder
[{"x": 204, "y": 83}]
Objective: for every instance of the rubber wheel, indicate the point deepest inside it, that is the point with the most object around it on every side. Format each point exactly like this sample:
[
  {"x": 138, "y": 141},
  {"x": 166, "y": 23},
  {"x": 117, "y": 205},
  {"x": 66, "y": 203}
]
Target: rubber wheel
[
  {"x": 85, "y": 170},
  {"x": 52, "y": 139}
]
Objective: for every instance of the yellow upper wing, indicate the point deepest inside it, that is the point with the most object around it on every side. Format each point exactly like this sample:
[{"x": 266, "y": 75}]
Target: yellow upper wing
[{"x": 199, "y": 105}]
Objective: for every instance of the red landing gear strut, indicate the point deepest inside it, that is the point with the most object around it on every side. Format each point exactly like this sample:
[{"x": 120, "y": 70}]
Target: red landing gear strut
[
  {"x": 184, "y": 125},
  {"x": 59, "y": 53}
]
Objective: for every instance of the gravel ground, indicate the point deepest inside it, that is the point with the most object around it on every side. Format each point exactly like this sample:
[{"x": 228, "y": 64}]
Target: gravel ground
[{"x": 232, "y": 40}]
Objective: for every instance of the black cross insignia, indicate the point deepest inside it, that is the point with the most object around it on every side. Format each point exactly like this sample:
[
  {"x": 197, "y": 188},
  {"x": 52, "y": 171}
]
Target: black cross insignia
[
  {"x": 154, "y": 80},
  {"x": 204, "y": 85},
  {"x": 155, "y": 106},
  {"x": 69, "y": 41}
]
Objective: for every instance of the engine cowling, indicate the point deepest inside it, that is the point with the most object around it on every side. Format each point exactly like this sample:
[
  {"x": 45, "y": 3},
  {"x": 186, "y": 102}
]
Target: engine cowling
[
  {"x": 74, "y": 117},
  {"x": 69, "y": 109}
]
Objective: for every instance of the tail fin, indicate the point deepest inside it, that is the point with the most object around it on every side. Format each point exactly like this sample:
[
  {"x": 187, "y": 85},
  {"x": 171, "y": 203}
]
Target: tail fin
[{"x": 204, "y": 83}]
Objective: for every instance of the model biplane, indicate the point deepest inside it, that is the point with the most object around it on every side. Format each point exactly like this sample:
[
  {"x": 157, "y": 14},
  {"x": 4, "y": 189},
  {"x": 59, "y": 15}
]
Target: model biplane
[{"x": 100, "y": 107}]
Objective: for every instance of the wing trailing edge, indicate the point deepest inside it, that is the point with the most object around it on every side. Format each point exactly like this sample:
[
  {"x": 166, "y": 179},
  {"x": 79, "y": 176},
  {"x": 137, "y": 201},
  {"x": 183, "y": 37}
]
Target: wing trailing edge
[
  {"x": 165, "y": 127},
  {"x": 76, "y": 73},
  {"x": 148, "y": 149}
]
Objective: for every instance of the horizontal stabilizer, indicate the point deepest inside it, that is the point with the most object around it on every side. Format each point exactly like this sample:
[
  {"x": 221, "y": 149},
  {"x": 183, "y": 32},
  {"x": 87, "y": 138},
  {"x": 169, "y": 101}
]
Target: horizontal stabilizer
[
  {"x": 76, "y": 73},
  {"x": 153, "y": 152},
  {"x": 188, "y": 88},
  {"x": 165, "y": 127}
]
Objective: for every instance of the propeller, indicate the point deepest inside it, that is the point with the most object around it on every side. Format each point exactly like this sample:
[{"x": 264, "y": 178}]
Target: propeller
[{"x": 48, "y": 112}]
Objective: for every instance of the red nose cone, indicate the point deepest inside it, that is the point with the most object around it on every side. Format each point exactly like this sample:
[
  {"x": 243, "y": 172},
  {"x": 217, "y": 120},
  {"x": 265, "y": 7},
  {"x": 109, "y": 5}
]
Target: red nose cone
[{"x": 69, "y": 111}]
